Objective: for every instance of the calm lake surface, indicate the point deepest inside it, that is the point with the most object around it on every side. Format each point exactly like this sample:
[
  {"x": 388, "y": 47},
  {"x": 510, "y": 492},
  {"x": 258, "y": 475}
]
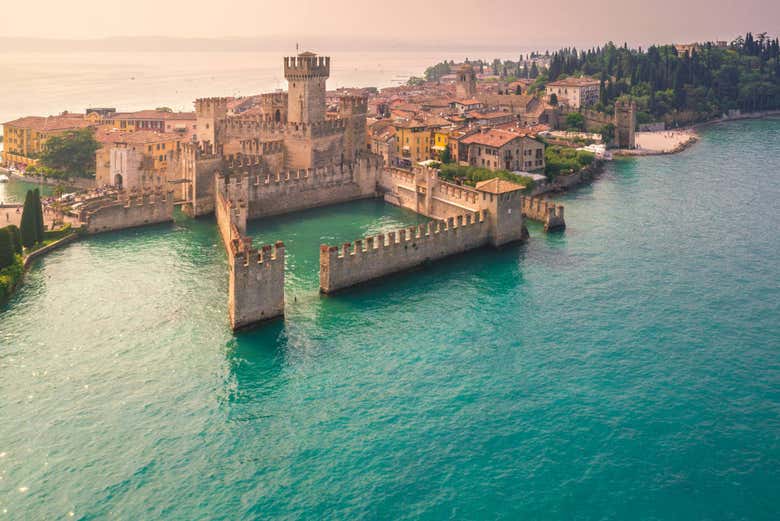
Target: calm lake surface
[
  {"x": 628, "y": 368},
  {"x": 38, "y": 83}
]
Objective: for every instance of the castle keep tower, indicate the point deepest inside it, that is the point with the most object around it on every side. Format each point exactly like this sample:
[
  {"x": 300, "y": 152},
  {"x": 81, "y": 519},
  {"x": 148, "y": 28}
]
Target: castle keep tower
[
  {"x": 466, "y": 86},
  {"x": 306, "y": 75}
]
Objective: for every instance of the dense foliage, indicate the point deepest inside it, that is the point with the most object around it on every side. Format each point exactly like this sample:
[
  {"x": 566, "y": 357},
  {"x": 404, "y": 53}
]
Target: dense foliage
[
  {"x": 72, "y": 153},
  {"x": 560, "y": 160},
  {"x": 470, "y": 175},
  {"x": 685, "y": 87},
  {"x": 10, "y": 276}
]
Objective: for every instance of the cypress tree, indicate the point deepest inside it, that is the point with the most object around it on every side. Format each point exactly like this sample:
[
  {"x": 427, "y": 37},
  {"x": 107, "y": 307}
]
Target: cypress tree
[
  {"x": 6, "y": 248},
  {"x": 28, "y": 228},
  {"x": 39, "y": 226},
  {"x": 16, "y": 236}
]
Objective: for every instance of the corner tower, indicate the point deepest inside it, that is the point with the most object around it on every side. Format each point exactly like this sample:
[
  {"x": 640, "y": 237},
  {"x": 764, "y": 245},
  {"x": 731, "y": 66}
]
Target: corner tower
[{"x": 306, "y": 75}]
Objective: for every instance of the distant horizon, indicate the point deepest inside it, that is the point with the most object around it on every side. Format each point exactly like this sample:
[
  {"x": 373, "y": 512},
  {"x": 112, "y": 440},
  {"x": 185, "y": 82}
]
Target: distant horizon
[{"x": 163, "y": 43}]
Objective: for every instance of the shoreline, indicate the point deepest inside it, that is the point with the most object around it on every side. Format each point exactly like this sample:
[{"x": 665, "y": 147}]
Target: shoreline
[
  {"x": 71, "y": 183},
  {"x": 693, "y": 136}
]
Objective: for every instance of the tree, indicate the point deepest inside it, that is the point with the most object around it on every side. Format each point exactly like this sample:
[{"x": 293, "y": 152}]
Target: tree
[
  {"x": 39, "y": 223},
  {"x": 28, "y": 228},
  {"x": 16, "y": 237},
  {"x": 445, "y": 156},
  {"x": 575, "y": 121},
  {"x": 72, "y": 153},
  {"x": 607, "y": 133},
  {"x": 553, "y": 99},
  {"x": 7, "y": 256},
  {"x": 164, "y": 109}
]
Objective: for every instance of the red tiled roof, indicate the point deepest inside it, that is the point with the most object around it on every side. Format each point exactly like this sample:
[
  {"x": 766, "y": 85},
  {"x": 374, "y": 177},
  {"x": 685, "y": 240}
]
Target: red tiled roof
[
  {"x": 573, "y": 82},
  {"x": 51, "y": 123},
  {"x": 498, "y": 186},
  {"x": 492, "y": 138}
]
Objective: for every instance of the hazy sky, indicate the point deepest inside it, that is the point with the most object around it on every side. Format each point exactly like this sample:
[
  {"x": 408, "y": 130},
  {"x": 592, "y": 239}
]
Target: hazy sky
[{"x": 486, "y": 22}]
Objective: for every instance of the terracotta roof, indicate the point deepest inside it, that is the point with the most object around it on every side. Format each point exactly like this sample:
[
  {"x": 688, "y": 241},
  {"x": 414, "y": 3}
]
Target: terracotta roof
[
  {"x": 51, "y": 123},
  {"x": 136, "y": 137},
  {"x": 498, "y": 186},
  {"x": 492, "y": 138},
  {"x": 471, "y": 101},
  {"x": 155, "y": 114},
  {"x": 573, "y": 82}
]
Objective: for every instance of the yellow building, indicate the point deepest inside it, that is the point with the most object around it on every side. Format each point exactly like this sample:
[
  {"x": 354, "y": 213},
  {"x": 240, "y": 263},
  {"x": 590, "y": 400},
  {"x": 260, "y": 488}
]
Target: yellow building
[
  {"x": 441, "y": 140},
  {"x": 25, "y": 138},
  {"x": 417, "y": 138}
]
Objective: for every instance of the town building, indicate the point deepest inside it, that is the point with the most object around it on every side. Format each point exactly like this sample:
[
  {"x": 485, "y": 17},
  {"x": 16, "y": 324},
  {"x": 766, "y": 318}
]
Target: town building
[
  {"x": 575, "y": 92},
  {"x": 497, "y": 149},
  {"x": 135, "y": 160},
  {"x": 155, "y": 120},
  {"x": 25, "y": 138}
]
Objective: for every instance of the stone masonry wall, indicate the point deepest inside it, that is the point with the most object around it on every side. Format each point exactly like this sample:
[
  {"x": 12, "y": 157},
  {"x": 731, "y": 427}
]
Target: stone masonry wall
[
  {"x": 295, "y": 190},
  {"x": 129, "y": 212},
  {"x": 256, "y": 276},
  {"x": 545, "y": 211},
  {"x": 374, "y": 257}
]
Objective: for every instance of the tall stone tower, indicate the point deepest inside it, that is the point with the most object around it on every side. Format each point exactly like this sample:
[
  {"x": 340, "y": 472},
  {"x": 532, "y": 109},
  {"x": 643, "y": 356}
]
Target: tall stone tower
[
  {"x": 306, "y": 75},
  {"x": 209, "y": 111},
  {"x": 466, "y": 85},
  {"x": 353, "y": 110},
  {"x": 625, "y": 123}
]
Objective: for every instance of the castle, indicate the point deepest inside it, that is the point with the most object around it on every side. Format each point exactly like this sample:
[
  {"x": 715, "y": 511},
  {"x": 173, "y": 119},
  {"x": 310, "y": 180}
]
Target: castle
[{"x": 291, "y": 155}]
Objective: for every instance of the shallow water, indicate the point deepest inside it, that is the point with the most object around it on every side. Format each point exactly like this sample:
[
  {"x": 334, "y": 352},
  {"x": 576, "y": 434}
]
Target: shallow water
[{"x": 626, "y": 368}]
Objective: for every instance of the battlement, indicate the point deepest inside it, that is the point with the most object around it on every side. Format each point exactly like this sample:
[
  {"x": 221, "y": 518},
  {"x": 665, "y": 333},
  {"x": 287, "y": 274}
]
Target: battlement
[
  {"x": 246, "y": 257},
  {"x": 127, "y": 210},
  {"x": 545, "y": 211},
  {"x": 199, "y": 150},
  {"x": 306, "y": 66},
  {"x": 273, "y": 99},
  {"x": 352, "y": 105},
  {"x": 398, "y": 250},
  {"x": 256, "y": 146},
  {"x": 251, "y": 126},
  {"x": 211, "y": 105}
]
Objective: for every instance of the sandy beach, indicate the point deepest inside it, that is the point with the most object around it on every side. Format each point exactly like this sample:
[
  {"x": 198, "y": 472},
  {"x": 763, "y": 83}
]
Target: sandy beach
[{"x": 661, "y": 142}]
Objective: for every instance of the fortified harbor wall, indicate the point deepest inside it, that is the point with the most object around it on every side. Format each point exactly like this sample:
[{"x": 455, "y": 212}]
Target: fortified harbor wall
[
  {"x": 381, "y": 255},
  {"x": 423, "y": 192},
  {"x": 127, "y": 211},
  {"x": 256, "y": 276}
]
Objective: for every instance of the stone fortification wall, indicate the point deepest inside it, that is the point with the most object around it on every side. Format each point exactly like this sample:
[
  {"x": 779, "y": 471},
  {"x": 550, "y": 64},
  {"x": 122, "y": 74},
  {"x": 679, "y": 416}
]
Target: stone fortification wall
[
  {"x": 545, "y": 211},
  {"x": 256, "y": 276},
  {"x": 128, "y": 211},
  {"x": 293, "y": 190},
  {"x": 381, "y": 255}
]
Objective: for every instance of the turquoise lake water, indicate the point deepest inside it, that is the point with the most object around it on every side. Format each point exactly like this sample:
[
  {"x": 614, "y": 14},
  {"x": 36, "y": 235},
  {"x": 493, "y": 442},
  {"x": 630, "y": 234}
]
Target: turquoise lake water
[{"x": 628, "y": 368}]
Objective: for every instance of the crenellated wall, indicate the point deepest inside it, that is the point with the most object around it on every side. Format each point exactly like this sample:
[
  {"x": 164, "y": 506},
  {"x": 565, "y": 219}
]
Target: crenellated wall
[
  {"x": 545, "y": 211},
  {"x": 423, "y": 192},
  {"x": 384, "y": 254},
  {"x": 256, "y": 280},
  {"x": 128, "y": 211},
  {"x": 293, "y": 190}
]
